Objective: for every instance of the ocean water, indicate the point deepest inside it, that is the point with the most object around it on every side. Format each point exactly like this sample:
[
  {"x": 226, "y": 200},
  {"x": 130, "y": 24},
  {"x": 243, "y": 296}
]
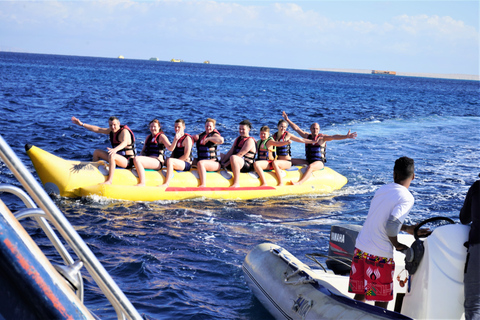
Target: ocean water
[{"x": 182, "y": 259}]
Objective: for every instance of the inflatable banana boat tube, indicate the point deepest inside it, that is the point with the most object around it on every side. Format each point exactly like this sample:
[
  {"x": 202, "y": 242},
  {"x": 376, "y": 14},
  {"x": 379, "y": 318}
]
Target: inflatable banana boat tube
[{"x": 73, "y": 179}]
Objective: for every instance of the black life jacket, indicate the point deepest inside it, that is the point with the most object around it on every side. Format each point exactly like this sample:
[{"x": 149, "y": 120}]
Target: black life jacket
[
  {"x": 262, "y": 151},
  {"x": 283, "y": 150},
  {"x": 115, "y": 142},
  {"x": 315, "y": 152},
  {"x": 153, "y": 147},
  {"x": 179, "y": 149},
  {"x": 239, "y": 142},
  {"x": 208, "y": 150}
]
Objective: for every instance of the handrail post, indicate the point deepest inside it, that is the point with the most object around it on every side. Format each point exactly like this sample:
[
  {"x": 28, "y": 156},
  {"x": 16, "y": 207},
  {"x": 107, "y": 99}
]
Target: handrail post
[{"x": 109, "y": 288}]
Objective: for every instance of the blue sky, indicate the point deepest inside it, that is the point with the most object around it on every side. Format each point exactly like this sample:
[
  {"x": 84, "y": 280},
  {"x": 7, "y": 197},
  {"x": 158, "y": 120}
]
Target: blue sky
[{"x": 405, "y": 36}]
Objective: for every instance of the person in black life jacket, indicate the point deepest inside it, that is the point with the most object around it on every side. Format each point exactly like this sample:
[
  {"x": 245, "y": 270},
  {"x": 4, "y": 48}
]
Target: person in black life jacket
[
  {"x": 315, "y": 152},
  {"x": 153, "y": 151},
  {"x": 241, "y": 155},
  {"x": 470, "y": 213},
  {"x": 181, "y": 157},
  {"x": 123, "y": 145},
  {"x": 266, "y": 153},
  {"x": 284, "y": 159},
  {"x": 207, "y": 158}
]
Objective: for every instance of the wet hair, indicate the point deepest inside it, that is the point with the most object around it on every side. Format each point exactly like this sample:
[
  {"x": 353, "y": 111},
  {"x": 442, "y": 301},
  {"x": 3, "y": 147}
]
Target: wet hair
[
  {"x": 265, "y": 128},
  {"x": 211, "y": 120},
  {"x": 282, "y": 121},
  {"x": 157, "y": 122},
  {"x": 404, "y": 168},
  {"x": 180, "y": 121},
  {"x": 113, "y": 118},
  {"x": 246, "y": 123}
]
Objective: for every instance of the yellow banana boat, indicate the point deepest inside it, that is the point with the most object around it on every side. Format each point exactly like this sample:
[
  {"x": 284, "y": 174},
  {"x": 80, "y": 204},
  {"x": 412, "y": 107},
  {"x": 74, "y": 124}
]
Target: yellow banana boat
[{"x": 69, "y": 178}]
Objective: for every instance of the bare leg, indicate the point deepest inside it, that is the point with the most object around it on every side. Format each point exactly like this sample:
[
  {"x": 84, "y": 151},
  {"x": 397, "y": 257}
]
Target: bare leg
[
  {"x": 172, "y": 164},
  {"x": 278, "y": 165},
  {"x": 382, "y": 304},
  {"x": 169, "y": 174},
  {"x": 100, "y": 155},
  {"x": 317, "y": 165},
  {"x": 237, "y": 164},
  {"x": 359, "y": 297},
  {"x": 113, "y": 160},
  {"x": 259, "y": 167},
  {"x": 141, "y": 163},
  {"x": 206, "y": 165},
  {"x": 140, "y": 170}
]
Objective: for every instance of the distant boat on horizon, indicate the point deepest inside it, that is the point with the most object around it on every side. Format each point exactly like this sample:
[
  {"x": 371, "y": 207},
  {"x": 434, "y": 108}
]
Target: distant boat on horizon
[
  {"x": 392, "y": 73},
  {"x": 121, "y": 57},
  {"x": 154, "y": 59},
  {"x": 176, "y": 60}
]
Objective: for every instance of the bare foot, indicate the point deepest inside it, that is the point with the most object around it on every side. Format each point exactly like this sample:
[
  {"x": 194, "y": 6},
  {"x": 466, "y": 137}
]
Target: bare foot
[
  {"x": 264, "y": 185},
  {"x": 140, "y": 184},
  {"x": 106, "y": 182},
  {"x": 201, "y": 186},
  {"x": 295, "y": 183},
  {"x": 236, "y": 185}
]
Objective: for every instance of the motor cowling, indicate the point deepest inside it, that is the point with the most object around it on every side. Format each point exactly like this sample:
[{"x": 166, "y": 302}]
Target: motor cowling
[{"x": 341, "y": 247}]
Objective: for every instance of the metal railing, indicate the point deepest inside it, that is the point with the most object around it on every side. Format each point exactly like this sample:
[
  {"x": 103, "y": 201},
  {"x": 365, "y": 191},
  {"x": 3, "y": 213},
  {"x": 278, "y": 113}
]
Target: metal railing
[{"x": 47, "y": 210}]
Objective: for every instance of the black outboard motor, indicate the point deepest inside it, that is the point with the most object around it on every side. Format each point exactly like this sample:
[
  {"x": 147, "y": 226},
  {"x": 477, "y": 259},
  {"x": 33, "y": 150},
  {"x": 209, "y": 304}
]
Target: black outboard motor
[{"x": 341, "y": 247}]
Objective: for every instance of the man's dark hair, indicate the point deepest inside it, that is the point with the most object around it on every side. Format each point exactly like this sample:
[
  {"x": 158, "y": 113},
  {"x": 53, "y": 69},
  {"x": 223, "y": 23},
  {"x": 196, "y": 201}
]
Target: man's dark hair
[
  {"x": 113, "y": 118},
  {"x": 404, "y": 168},
  {"x": 246, "y": 123}
]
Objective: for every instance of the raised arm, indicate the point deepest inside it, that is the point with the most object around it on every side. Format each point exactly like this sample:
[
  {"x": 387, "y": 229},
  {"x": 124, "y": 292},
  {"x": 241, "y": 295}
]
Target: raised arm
[
  {"x": 298, "y": 139},
  {"x": 90, "y": 127},
  {"x": 171, "y": 146},
  {"x": 340, "y": 137},
  {"x": 164, "y": 140},
  {"x": 297, "y": 129}
]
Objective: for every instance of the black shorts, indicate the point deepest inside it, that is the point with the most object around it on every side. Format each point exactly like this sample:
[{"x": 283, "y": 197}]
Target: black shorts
[{"x": 247, "y": 167}]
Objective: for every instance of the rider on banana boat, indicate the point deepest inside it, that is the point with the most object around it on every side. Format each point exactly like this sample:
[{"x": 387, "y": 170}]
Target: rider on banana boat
[
  {"x": 241, "y": 155},
  {"x": 207, "y": 158},
  {"x": 122, "y": 139},
  {"x": 315, "y": 152},
  {"x": 284, "y": 159},
  {"x": 153, "y": 151},
  {"x": 266, "y": 153},
  {"x": 181, "y": 158}
]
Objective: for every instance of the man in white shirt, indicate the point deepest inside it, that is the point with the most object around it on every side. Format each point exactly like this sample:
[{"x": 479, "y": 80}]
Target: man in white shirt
[{"x": 371, "y": 276}]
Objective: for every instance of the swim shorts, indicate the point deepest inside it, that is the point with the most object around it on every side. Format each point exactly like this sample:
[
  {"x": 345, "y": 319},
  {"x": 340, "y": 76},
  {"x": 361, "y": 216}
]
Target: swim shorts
[
  {"x": 247, "y": 167},
  {"x": 130, "y": 161},
  {"x": 372, "y": 276},
  {"x": 188, "y": 166}
]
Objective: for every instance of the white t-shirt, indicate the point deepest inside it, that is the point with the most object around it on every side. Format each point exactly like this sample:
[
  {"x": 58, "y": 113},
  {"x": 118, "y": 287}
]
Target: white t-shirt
[{"x": 390, "y": 200}]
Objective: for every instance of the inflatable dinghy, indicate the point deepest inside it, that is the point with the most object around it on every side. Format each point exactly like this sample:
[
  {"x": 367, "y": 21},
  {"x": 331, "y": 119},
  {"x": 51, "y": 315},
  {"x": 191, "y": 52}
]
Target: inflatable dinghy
[
  {"x": 69, "y": 178},
  {"x": 289, "y": 289}
]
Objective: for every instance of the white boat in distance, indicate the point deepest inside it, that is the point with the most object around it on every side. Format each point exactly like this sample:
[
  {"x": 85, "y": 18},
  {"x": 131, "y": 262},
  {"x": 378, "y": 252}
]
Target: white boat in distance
[{"x": 289, "y": 289}]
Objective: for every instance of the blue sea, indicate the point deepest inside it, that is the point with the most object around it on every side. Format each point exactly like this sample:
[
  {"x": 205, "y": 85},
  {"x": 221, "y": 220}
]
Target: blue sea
[{"x": 182, "y": 259}]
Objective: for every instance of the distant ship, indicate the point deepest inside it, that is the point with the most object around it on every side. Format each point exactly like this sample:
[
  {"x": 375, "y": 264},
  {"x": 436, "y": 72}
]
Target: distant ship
[
  {"x": 206, "y": 61},
  {"x": 176, "y": 60},
  {"x": 154, "y": 59},
  {"x": 392, "y": 73},
  {"x": 121, "y": 57}
]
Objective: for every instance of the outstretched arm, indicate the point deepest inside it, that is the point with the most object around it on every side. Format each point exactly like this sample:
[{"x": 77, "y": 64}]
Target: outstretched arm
[
  {"x": 90, "y": 127},
  {"x": 294, "y": 126},
  {"x": 340, "y": 136}
]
